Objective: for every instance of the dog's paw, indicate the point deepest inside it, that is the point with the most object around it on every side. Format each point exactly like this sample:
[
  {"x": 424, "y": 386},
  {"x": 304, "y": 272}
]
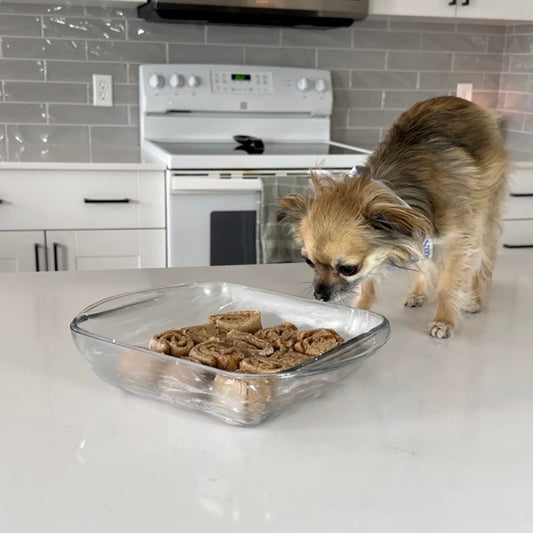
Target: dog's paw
[
  {"x": 415, "y": 300},
  {"x": 441, "y": 330}
]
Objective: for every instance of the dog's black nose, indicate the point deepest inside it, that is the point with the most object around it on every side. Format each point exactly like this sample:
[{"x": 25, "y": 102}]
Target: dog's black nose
[{"x": 322, "y": 292}]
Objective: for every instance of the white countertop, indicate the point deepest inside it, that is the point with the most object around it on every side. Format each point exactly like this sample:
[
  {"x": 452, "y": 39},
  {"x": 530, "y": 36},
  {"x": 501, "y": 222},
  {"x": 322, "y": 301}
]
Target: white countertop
[{"x": 429, "y": 436}]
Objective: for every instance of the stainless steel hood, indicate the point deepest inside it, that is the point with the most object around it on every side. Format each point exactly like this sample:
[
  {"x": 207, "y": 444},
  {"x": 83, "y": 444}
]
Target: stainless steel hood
[{"x": 298, "y": 13}]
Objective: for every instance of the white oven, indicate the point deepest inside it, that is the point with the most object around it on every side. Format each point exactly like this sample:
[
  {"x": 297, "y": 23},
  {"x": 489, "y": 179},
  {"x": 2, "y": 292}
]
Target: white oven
[
  {"x": 213, "y": 220},
  {"x": 233, "y": 139}
]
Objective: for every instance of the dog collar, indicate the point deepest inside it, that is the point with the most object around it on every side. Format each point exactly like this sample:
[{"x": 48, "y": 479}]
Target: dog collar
[{"x": 427, "y": 244}]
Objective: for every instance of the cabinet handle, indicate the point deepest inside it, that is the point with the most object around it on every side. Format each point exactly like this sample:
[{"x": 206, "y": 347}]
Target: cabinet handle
[
  {"x": 452, "y": 3},
  {"x": 107, "y": 201},
  {"x": 36, "y": 247},
  {"x": 521, "y": 194},
  {"x": 1, "y": 201},
  {"x": 466, "y": 3},
  {"x": 514, "y": 246},
  {"x": 55, "y": 247}
]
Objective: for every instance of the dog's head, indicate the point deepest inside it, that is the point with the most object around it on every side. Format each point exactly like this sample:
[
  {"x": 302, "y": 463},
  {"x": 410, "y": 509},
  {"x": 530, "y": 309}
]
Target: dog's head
[{"x": 349, "y": 228}]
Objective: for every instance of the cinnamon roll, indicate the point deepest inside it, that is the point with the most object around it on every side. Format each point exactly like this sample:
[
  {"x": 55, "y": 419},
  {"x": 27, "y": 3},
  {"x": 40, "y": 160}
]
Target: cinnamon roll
[
  {"x": 249, "y": 344},
  {"x": 217, "y": 354},
  {"x": 204, "y": 332},
  {"x": 317, "y": 341},
  {"x": 282, "y": 336},
  {"x": 171, "y": 342},
  {"x": 247, "y": 321},
  {"x": 260, "y": 365}
]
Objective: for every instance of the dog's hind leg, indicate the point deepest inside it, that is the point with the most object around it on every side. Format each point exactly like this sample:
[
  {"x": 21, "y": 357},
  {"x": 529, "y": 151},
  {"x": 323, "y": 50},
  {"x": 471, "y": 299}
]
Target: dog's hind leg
[
  {"x": 454, "y": 272},
  {"x": 419, "y": 290},
  {"x": 482, "y": 277}
]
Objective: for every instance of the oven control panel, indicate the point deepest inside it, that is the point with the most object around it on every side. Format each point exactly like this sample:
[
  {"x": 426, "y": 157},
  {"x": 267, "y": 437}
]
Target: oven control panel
[
  {"x": 223, "y": 82},
  {"x": 182, "y": 88}
]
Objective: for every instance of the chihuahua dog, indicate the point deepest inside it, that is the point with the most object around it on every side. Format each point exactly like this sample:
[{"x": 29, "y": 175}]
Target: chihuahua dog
[{"x": 429, "y": 198}]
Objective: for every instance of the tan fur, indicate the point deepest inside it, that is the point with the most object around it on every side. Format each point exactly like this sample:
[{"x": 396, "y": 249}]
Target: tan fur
[{"x": 446, "y": 158}]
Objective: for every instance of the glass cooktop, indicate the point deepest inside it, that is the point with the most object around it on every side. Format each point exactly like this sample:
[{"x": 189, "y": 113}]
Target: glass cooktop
[{"x": 268, "y": 148}]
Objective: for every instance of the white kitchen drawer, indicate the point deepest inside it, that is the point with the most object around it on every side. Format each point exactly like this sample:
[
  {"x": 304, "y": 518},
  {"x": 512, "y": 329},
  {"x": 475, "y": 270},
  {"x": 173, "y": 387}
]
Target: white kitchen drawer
[
  {"x": 66, "y": 199},
  {"x": 518, "y": 207},
  {"x": 517, "y": 234},
  {"x": 521, "y": 181}
]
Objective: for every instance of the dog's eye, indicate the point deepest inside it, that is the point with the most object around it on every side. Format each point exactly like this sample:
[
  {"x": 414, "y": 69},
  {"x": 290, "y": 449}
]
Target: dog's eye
[
  {"x": 309, "y": 262},
  {"x": 347, "y": 270}
]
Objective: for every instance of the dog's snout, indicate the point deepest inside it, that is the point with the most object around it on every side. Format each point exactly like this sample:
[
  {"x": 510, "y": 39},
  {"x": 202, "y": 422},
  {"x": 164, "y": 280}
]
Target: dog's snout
[{"x": 322, "y": 292}]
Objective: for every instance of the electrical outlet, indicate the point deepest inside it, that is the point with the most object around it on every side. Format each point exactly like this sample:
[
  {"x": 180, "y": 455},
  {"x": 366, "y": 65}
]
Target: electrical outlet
[
  {"x": 102, "y": 90},
  {"x": 464, "y": 90}
]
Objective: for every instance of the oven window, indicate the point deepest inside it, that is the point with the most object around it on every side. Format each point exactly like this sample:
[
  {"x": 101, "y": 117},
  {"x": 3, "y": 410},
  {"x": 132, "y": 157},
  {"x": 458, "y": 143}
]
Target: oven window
[{"x": 233, "y": 238}]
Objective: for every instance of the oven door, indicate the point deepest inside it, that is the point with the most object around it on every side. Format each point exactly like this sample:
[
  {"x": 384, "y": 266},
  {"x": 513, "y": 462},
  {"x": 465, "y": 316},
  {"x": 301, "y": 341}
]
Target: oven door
[{"x": 211, "y": 220}]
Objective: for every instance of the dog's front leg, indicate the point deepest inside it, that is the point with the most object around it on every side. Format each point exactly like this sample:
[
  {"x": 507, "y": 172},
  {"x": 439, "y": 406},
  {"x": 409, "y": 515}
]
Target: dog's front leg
[{"x": 367, "y": 295}]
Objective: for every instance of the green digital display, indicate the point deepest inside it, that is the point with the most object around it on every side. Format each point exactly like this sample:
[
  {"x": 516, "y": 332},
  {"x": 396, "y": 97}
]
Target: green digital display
[{"x": 241, "y": 77}]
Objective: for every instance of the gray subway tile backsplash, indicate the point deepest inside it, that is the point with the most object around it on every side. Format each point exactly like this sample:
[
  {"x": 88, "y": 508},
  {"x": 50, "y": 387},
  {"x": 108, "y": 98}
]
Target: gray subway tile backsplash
[{"x": 380, "y": 66}]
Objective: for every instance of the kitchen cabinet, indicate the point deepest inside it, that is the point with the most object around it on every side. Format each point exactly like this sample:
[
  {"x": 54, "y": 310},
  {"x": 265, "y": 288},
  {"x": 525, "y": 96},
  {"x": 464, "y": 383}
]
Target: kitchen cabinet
[
  {"x": 518, "y": 214},
  {"x": 463, "y": 9},
  {"x": 81, "y": 220}
]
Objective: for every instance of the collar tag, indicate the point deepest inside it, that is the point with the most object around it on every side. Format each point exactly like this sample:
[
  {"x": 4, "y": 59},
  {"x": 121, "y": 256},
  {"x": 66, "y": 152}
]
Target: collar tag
[{"x": 428, "y": 248}]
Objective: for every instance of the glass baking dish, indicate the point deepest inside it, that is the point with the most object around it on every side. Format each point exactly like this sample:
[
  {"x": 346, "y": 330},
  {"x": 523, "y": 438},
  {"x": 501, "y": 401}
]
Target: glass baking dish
[{"x": 113, "y": 335}]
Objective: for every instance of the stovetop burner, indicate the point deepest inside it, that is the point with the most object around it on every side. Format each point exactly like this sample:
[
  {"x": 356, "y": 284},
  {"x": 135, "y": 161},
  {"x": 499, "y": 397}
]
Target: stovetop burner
[{"x": 249, "y": 144}]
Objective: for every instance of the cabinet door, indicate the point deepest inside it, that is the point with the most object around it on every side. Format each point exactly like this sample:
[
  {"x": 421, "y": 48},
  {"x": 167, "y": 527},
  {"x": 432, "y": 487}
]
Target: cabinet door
[
  {"x": 415, "y": 8},
  {"x": 22, "y": 251},
  {"x": 488, "y": 9},
  {"x": 105, "y": 249}
]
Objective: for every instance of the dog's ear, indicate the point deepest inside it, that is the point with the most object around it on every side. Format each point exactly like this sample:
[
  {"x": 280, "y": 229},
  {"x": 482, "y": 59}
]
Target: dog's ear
[
  {"x": 396, "y": 220},
  {"x": 293, "y": 208}
]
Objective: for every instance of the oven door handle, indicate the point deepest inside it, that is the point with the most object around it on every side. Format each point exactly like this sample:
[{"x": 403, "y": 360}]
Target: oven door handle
[{"x": 184, "y": 185}]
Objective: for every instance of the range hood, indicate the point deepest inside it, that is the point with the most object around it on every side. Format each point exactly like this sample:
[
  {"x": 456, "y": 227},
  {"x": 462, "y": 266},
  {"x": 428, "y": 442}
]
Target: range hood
[{"x": 298, "y": 13}]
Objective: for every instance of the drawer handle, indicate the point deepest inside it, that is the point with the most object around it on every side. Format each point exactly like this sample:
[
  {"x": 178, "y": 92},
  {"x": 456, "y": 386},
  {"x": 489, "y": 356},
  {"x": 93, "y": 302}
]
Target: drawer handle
[
  {"x": 36, "y": 247},
  {"x": 521, "y": 194},
  {"x": 514, "y": 246},
  {"x": 55, "y": 246},
  {"x": 452, "y": 3},
  {"x": 466, "y": 3},
  {"x": 1, "y": 201},
  {"x": 107, "y": 201}
]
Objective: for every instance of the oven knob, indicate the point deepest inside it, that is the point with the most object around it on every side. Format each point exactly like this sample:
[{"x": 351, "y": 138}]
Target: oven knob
[
  {"x": 321, "y": 86},
  {"x": 176, "y": 80},
  {"x": 156, "y": 81},
  {"x": 193, "y": 81},
  {"x": 303, "y": 84}
]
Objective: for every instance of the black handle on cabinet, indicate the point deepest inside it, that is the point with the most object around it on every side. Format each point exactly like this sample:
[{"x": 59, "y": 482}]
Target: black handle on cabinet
[
  {"x": 107, "y": 201},
  {"x": 466, "y": 3},
  {"x": 55, "y": 247},
  {"x": 452, "y": 3},
  {"x": 515, "y": 246},
  {"x": 521, "y": 194},
  {"x": 1, "y": 201},
  {"x": 36, "y": 247}
]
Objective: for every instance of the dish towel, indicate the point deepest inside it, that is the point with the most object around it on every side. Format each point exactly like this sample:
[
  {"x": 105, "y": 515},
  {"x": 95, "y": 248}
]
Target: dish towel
[{"x": 275, "y": 243}]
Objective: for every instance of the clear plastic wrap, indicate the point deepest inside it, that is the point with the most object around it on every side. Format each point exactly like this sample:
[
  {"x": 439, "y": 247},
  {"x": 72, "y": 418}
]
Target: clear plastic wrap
[{"x": 113, "y": 336}]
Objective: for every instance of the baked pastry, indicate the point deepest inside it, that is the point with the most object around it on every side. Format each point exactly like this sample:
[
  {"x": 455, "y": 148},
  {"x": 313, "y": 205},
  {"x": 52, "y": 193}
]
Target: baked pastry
[
  {"x": 171, "y": 342},
  {"x": 249, "y": 344},
  {"x": 246, "y": 399},
  {"x": 260, "y": 365},
  {"x": 290, "y": 359},
  {"x": 247, "y": 321},
  {"x": 204, "y": 332},
  {"x": 314, "y": 342},
  {"x": 282, "y": 336},
  {"x": 217, "y": 354}
]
